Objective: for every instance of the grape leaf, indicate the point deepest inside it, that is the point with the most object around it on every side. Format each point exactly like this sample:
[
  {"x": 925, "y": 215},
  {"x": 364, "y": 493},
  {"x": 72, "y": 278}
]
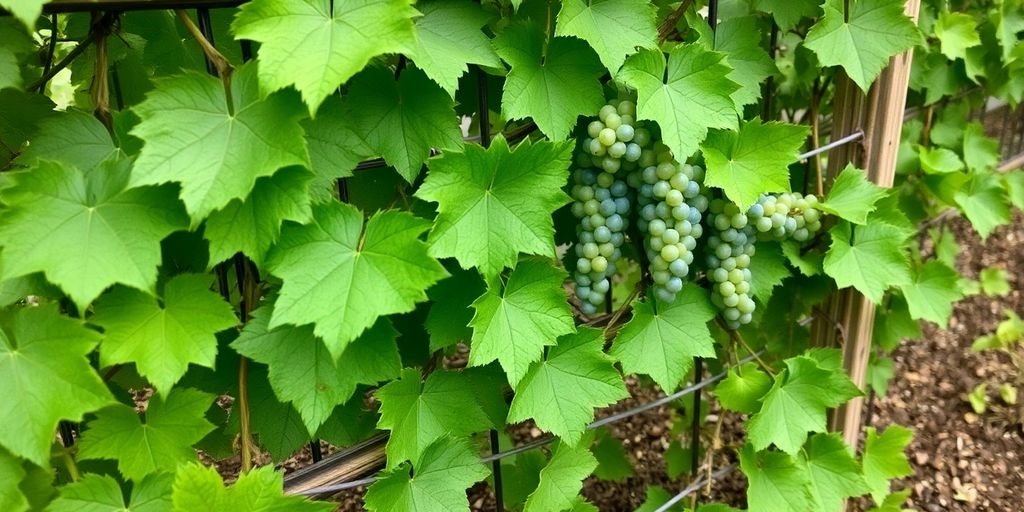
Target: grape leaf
[
  {"x": 101, "y": 493},
  {"x": 514, "y": 323},
  {"x": 983, "y": 201},
  {"x": 448, "y": 320},
  {"x": 250, "y": 226},
  {"x": 685, "y": 96},
  {"x": 833, "y": 471},
  {"x": 26, "y": 11},
  {"x": 809, "y": 264},
  {"x": 116, "y": 232},
  {"x": 993, "y": 281},
  {"x": 302, "y": 370},
  {"x": 775, "y": 482},
  {"x": 613, "y": 28},
  {"x": 172, "y": 425},
  {"x": 788, "y": 13},
  {"x": 402, "y": 119},
  {"x": 417, "y": 414},
  {"x": 1011, "y": 22},
  {"x": 662, "y": 339},
  {"x": 852, "y": 196},
  {"x": 883, "y": 458},
  {"x": 342, "y": 277},
  {"x": 870, "y": 258},
  {"x": 45, "y": 377},
  {"x": 214, "y": 151},
  {"x": 1014, "y": 183},
  {"x": 862, "y": 44},
  {"x": 334, "y": 147},
  {"x": 893, "y": 502},
  {"x": 437, "y": 480},
  {"x": 20, "y": 115},
  {"x": 277, "y": 425},
  {"x": 561, "y": 392},
  {"x": 981, "y": 153},
  {"x": 448, "y": 37},
  {"x": 612, "y": 462},
  {"x": 197, "y": 487},
  {"x": 163, "y": 338},
  {"x": 506, "y": 197},
  {"x": 562, "y": 478},
  {"x": 768, "y": 270},
  {"x": 743, "y": 388},
  {"x": 12, "y": 471},
  {"x": 939, "y": 160},
  {"x": 956, "y": 32},
  {"x": 796, "y": 405},
  {"x": 74, "y": 137},
  {"x": 932, "y": 293},
  {"x": 894, "y": 325},
  {"x": 317, "y": 45},
  {"x": 753, "y": 161},
  {"x": 740, "y": 39},
  {"x": 552, "y": 84}
]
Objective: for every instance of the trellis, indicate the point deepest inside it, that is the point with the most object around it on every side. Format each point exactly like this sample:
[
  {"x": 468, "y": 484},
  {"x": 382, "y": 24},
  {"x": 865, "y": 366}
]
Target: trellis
[{"x": 865, "y": 130}]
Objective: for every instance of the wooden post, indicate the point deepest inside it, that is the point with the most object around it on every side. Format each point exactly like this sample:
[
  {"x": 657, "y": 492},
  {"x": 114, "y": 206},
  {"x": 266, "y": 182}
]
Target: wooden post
[{"x": 848, "y": 318}]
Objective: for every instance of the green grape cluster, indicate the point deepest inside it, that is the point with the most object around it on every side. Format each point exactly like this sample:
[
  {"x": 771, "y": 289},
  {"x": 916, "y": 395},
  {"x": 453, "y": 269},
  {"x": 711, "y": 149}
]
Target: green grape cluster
[
  {"x": 614, "y": 143},
  {"x": 671, "y": 203},
  {"x": 784, "y": 216},
  {"x": 603, "y": 209},
  {"x": 730, "y": 248}
]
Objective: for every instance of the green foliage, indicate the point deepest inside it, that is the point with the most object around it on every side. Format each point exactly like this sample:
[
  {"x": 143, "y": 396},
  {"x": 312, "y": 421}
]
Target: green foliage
[
  {"x": 686, "y": 94},
  {"x": 796, "y": 404},
  {"x": 551, "y": 82},
  {"x": 862, "y": 39},
  {"x": 163, "y": 338},
  {"x": 317, "y": 45},
  {"x": 515, "y": 320},
  {"x": 116, "y": 229},
  {"x": 198, "y": 487},
  {"x": 752, "y": 161},
  {"x": 514, "y": 190},
  {"x": 561, "y": 392},
  {"x": 433, "y": 305},
  {"x": 172, "y": 425},
  {"x": 562, "y": 478},
  {"x": 884, "y": 459},
  {"x": 341, "y": 275},
  {"x": 101, "y": 493},
  {"x": 420, "y": 413},
  {"x": 214, "y": 145},
  {"x": 662, "y": 339},
  {"x": 46, "y": 378},
  {"x": 852, "y": 196},
  {"x": 442, "y": 474}
]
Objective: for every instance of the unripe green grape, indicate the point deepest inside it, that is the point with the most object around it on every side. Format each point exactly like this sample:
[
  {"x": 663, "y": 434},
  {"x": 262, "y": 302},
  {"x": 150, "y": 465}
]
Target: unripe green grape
[
  {"x": 617, "y": 150},
  {"x": 613, "y": 121},
  {"x": 606, "y": 137},
  {"x": 594, "y": 128}
]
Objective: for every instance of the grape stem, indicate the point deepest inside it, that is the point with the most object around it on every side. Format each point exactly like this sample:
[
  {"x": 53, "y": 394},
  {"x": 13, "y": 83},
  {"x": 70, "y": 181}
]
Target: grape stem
[
  {"x": 220, "y": 62},
  {"x": 669, "y": 25},
  {"x": 737, "y": 337}
]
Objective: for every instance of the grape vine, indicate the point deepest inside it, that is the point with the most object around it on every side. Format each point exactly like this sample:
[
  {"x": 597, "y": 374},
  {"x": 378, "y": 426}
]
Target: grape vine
[{"x": 226, "y": 235}]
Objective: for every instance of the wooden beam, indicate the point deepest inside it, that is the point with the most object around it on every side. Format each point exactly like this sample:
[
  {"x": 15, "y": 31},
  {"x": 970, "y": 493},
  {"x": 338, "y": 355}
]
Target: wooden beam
[{"x": 849, "y": 316}]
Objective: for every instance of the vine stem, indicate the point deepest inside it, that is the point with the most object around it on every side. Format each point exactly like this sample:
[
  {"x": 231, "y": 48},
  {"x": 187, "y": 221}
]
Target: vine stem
[
  {"x": 243, "y": 414},
  {"x": 669, "y": 24},
  {"x": 70, "y": 464},
  {"x": 220, "y": 62},
  {"x": 737, "y": 337},
  {"x": 100, "y": 82},
  {"x": 248, "y": 287}
]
